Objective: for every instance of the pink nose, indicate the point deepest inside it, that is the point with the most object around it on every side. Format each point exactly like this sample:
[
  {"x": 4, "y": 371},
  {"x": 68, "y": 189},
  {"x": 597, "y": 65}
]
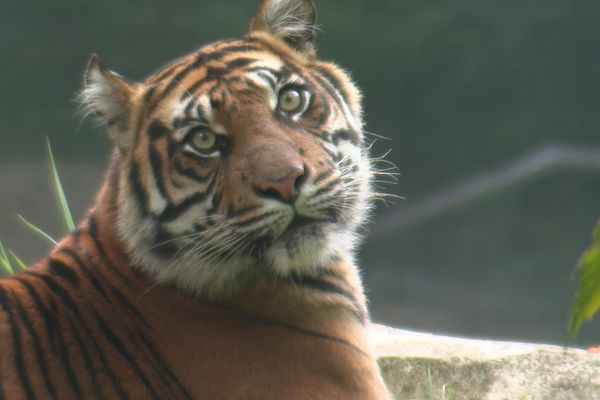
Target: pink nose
[{"x": 284, "y": 189}]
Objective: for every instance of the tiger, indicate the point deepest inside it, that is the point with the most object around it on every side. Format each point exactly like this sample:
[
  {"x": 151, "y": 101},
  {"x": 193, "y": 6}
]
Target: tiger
[{"x": 218, "y": 259}]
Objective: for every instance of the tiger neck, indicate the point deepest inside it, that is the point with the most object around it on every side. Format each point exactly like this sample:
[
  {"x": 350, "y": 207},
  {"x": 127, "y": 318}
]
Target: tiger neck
[{"x": 329, "y": 303}]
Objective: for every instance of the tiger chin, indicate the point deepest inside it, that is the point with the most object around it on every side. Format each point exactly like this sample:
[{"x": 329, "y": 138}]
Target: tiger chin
[{"x": 217, "y": 261}]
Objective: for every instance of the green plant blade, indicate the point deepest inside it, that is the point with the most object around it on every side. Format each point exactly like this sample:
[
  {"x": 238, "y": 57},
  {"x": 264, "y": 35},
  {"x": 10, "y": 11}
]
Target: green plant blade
[
  {"x": 587, "y": 298},
  {"x": 429, "y": 383},
  {"x": 62, "y": 199},
  {"x": 19, "y": 262},
  {"x": 4, "y": 260},
  {"x": 36, "y": 230}
]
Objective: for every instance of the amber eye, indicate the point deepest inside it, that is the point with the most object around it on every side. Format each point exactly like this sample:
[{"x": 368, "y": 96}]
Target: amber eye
[
  {"x": 203, "y": 140},
  {"x": 291, "y": 100}
]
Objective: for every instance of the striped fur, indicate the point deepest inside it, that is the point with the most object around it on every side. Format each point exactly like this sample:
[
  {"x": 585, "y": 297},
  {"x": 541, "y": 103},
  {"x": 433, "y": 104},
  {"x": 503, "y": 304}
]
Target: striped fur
[{"x": 224, "y": 271}]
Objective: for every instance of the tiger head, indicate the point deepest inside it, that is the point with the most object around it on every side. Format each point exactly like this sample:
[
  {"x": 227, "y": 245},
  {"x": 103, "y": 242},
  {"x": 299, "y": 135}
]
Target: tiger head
[{"x": 240, "y": 161}]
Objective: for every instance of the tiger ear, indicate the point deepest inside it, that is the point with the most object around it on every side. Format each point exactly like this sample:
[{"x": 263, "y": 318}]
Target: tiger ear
[
  {"x": 107, "y": 96},
  {"x": 294, "y": 21}
]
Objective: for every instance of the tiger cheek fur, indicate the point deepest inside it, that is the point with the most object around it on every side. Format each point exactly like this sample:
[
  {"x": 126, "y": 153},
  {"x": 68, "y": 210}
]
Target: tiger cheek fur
[{"x": 220, "y": 247}]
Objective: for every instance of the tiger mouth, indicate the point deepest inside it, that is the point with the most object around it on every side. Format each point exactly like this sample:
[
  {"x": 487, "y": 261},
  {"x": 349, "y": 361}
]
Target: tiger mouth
[
  {"x": 301, "y": 222},
  {"x": 300, "y": 226}
]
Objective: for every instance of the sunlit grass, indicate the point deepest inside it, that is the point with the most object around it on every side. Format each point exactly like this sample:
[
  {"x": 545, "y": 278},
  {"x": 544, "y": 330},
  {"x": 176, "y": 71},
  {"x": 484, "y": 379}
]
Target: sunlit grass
[
  {"x": 9, "y": 261},
  {"x": 62, "y": 199},
  {"x": 36, "y": 230},
  {"x": 444, "y": 393}
]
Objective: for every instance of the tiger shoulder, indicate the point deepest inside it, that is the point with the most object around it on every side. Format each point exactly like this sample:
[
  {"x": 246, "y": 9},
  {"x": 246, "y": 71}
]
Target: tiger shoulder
[{"x": 217, "y": 260}]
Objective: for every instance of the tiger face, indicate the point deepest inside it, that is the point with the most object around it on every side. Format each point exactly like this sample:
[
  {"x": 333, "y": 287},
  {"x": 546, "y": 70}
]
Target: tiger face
[{"x": 241, "y": 161}]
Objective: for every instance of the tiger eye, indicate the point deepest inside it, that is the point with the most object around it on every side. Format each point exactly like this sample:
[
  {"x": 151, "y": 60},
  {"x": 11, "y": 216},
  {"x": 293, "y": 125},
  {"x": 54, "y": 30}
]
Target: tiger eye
[
  {"x": 290, "y": 100},
  {"x": 204, "y": 140}
]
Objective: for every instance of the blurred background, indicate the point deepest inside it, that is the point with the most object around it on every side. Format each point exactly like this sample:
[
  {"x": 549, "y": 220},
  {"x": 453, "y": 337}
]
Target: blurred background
[{"x": 490, "y": 108}]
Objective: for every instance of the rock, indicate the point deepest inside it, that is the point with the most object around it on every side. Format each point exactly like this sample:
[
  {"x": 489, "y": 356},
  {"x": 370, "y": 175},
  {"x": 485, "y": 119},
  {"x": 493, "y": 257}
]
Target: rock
[{"x": 423, "y": 366}]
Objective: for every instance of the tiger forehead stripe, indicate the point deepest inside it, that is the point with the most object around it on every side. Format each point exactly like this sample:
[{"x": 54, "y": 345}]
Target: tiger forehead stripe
[
  {"x": 180, "y": 72},
  {"x": 216, "y": 51},
  {"x": 239, "y": 63}
]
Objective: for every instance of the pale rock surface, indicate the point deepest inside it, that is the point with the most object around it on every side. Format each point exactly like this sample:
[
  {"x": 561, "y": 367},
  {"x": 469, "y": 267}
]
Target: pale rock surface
[{"x": 420, "y": 366}]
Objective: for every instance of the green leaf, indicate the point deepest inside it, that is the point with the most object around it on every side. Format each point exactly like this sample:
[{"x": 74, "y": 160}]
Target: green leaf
[
  {"x": 19, "y": 262},
  {"x": 62, "y": 199},
  {"x": 4, "y": 260},
  {"x": 36, "y": 230},
  {"x": 587, "y": 298},
  {"x": 429, "y": 383}
]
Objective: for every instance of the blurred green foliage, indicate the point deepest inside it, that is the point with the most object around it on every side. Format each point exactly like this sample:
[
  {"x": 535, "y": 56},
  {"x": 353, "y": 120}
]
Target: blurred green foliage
[{"x": 587, "y": 300}]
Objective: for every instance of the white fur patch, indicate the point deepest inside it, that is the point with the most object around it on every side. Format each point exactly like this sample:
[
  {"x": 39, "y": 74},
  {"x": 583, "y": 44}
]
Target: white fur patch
[
  {"x": 99, "y": 97},
  {"x": 285, "y": 18}
]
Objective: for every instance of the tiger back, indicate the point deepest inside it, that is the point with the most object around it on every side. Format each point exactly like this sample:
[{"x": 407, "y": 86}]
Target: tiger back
[{"x": 218, "y": 259}]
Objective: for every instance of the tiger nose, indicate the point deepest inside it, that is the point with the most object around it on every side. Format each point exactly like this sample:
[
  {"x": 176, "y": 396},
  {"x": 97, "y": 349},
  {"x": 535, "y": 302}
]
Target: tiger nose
[{"x": 285, "y": 188}]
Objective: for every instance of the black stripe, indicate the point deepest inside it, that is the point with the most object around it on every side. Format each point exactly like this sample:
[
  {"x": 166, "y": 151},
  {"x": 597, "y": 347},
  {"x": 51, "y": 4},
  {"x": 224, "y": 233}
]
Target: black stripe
[
  {"x": 322, "y": 118},
  {"x": 240, "y": 63},
  {"x": 172, "y": 146},
  {"x": 267, "y": 46},
  {"x": 48, "y": 316},
  {"x": 66, "y": 361},
  {"x": 330, "y": 89},
  {"x": 138, "y": 189},
  {"x": 322, "y": 285},
  {"x": 233, "y": 213},
  {"x": 253, "y": 87},
  {"x": 122, "y": 300},
  {"x": 323, "y": 175},
  {"x": 188, "y": 111},
  {"x": 63, "y": 271},
  {"x": 254, "y": 220},
  {"x": 116, "y": 294},
  {"x": 163, "y": 367},
  {"x": 66, "y": 299},
  {"x": 163, "y": 245},
  {"x": 37, "y": 346},
  {"x": 148, "y": 94},
  {"x": 97, "y": 242},
  {"x": 258, "y": 319},
  {"x": 59, "y": 291},
  {"x": 89, "y": 365},
  {"x": 19, "y": 351},
  {"x": 173, "y": 211},
  {"x": 168, "y": 69},
  {"x": 82, "y": 267},
  {"x": 63, "y": 353},
  {"x": 122, "y": 350},
  {"x": 336, "y": 157},
  {"x": 157, "y": 130},
  {"x": 156, "y": 163},
  {"x": 212, "y": 74},
  {"x": 190, "y": 172},
  {"x": 345, "y": 134},
  {"x": 327, "y": 188},
  {"x": 261, "y": 71},
  {"x": 334, "y": 81},
  {"x": 198, "y": 62}
]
